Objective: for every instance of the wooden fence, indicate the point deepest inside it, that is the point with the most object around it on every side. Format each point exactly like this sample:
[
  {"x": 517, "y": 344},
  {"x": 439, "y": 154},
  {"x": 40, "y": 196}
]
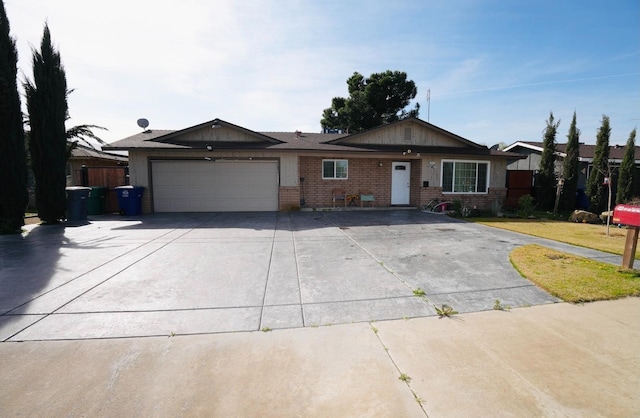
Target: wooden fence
[{"x": 109, "y": 177}]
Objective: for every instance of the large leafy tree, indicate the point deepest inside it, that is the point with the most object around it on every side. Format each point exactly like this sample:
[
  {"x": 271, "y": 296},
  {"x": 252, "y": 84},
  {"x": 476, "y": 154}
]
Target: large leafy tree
[
  {"x": 47, "y": 106},
  {"x": 596, "y": 190},
  {"x": 626, "y": 179},
  {"x": 546, "y": 178},
  {"x": 377, "y": 100},
  {"x": 13, "y": 161},
  {"x": 570, "y": 169}
]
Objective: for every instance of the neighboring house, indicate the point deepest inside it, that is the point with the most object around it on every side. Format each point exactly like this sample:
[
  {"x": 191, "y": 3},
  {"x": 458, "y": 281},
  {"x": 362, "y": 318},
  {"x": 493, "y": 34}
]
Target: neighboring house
[
  {"x": 532, "y": 152},
  {"x": 86, "y": 156},
  {"x": 219, "y": 166}
]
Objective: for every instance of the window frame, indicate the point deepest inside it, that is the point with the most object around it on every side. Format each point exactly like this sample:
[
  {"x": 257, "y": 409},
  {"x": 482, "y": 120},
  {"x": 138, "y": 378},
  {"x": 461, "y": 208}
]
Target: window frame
[
  {"x": 453, "y": 178},
  {"x": 335, "y": 170}
]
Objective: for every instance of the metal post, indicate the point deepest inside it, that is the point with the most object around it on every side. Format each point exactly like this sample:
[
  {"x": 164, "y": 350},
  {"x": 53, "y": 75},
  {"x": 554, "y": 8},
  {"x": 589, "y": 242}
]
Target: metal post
[{"x": 85, "y": 175}]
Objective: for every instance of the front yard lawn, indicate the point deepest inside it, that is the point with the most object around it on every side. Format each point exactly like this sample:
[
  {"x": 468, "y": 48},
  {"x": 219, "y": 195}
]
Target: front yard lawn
[
  {"x": 574, "y": 279},
  {"x": 583, "y": 235}
]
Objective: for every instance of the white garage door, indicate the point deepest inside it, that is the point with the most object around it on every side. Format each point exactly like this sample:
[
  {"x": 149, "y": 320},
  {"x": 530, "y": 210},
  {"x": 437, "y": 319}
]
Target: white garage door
[{"x": 215, "y": 186}]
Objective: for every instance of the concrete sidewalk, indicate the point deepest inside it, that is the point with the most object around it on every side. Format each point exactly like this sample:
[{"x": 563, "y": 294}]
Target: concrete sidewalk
[{"x": 550, "y": 360}]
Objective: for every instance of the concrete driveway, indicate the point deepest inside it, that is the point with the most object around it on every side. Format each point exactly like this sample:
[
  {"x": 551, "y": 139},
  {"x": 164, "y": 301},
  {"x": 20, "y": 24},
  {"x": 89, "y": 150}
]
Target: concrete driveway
[{"x": 181, "y": 274}]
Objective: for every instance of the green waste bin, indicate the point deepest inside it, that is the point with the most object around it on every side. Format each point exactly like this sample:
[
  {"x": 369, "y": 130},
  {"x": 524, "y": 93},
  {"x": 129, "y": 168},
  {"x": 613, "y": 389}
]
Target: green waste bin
[
  {"x": 77, "y": 203},
  {"x": 97, "y": 200}
]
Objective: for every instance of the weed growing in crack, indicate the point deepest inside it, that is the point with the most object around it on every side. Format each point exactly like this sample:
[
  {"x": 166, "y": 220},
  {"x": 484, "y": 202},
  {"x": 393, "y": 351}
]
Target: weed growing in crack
[
  {"x": 498, "y": 306},
  {"x": 405, "y": 378},
  {"x": 419, "y": 292},
  {"x": 445, "y": 311}
]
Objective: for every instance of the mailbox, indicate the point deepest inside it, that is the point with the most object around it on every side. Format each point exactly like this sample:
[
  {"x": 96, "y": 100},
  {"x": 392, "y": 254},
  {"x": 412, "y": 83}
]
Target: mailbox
[{"x": 627, "y": 215}]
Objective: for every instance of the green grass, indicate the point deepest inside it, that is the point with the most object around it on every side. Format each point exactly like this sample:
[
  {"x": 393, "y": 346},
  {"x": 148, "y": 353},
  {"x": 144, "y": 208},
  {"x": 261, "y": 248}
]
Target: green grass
[
  {"x": 574, "y": 279},
  {"x": 583, "y": 235}
]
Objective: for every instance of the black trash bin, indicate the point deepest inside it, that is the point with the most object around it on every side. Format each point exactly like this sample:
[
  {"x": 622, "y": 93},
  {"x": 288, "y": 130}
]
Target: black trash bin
[
  {"x": 96, "y": 201},
  {"x": 77, "y": 203},
  {"x": 130, "y": 199}
]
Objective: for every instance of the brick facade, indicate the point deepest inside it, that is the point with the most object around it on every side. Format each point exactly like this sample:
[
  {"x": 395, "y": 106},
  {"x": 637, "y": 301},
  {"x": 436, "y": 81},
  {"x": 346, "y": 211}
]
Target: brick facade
[
  {"x": 375, "y": 175},
  {"x": 364, "y": 175},
  {"x": 289, "y": 198}
]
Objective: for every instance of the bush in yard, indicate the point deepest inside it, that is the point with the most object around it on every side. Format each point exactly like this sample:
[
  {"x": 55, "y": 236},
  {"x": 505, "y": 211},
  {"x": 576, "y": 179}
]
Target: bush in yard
[{"x": 526, "y": 206}]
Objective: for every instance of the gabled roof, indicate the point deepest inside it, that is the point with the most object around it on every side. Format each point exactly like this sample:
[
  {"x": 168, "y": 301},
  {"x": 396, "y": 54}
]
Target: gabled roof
[
  {"x": 427, "y": 125},
  {"x": 298, "y": 141},
  {"x": 213, "y": 124},
  {"x": 586, "y": 152}
]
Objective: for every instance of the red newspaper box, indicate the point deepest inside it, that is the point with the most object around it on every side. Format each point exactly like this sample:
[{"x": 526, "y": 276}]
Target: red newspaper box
[{"x": 626, "y": 215}]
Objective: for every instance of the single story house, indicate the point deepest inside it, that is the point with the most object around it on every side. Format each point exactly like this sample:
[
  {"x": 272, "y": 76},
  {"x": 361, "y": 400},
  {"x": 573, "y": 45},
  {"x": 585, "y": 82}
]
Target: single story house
[{"x": 218, "y": 166}]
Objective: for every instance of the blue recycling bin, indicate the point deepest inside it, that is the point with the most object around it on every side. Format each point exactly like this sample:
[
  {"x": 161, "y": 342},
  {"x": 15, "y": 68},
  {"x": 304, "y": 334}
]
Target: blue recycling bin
[
  {"x": 77, "y": 203},
  {"x": 130, "y": 199}
]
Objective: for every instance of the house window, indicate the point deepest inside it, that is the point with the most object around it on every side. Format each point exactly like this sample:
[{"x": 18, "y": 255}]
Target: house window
[
  {"x": 335, "y": 169},
  {"x": 465, "y": 176}
]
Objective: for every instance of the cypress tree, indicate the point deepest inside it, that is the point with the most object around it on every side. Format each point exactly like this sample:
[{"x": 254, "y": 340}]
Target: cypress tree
[
  {"x": 570, "y": 167},
  {"x": 546, "y": 178},
  {"x": 626, "y": 180},
  {"x": 13, "y": 160},
  {"x": 598, "y": 193},
  {"x": 47, "y": 106}
]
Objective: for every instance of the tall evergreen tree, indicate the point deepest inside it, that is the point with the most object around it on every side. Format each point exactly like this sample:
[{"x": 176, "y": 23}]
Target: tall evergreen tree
[
  {"x": 570, "y": 167},
  {"x": 47, "y": 106},
  {"x": 598, "y": 193},
  {"x": 626, "y": 179},
  {"x": 13, "y": 160},
  {"x": 546, "y": 178}
]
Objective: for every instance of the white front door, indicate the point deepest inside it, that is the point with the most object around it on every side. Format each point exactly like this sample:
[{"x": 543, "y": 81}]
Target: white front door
[{"x": 400, "y": 183}]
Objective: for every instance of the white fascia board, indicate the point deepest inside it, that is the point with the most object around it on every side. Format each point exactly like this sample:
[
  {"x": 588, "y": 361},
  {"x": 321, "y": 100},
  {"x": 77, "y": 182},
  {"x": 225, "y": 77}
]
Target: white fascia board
[{"x": 523, "y": 145}]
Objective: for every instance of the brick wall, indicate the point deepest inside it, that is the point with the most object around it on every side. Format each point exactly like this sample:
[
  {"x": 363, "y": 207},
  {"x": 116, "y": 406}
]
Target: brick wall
[
  {"x": 289, "y": 198},
  {"x": 364, "y": 175},
  {"x": 416, "y": 183}
]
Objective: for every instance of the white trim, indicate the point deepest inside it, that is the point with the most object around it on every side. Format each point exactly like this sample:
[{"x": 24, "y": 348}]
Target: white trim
[
  {"x": 523, "y": 145},
  {"x": 487, "y": 162},
  {"x": 334, "y": 160}
]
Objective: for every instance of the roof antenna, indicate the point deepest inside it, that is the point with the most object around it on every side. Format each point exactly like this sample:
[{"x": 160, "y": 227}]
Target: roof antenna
[
  {"x": 428, "y": 104},
  {"x": 143, "y": 123}
]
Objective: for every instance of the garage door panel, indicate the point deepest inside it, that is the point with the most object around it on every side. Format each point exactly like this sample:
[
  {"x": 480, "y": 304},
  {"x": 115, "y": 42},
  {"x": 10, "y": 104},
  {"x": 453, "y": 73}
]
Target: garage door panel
[{"x": 207, "y": 186}]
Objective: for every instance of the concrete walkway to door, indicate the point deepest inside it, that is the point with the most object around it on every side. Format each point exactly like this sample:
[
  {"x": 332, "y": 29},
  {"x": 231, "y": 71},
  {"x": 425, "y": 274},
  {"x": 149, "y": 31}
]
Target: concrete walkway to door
[{"x": 179, "y": 274}]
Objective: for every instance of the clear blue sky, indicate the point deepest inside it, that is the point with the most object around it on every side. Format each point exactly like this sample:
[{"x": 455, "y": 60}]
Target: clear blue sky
[{"x": 495, "y": 68}]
